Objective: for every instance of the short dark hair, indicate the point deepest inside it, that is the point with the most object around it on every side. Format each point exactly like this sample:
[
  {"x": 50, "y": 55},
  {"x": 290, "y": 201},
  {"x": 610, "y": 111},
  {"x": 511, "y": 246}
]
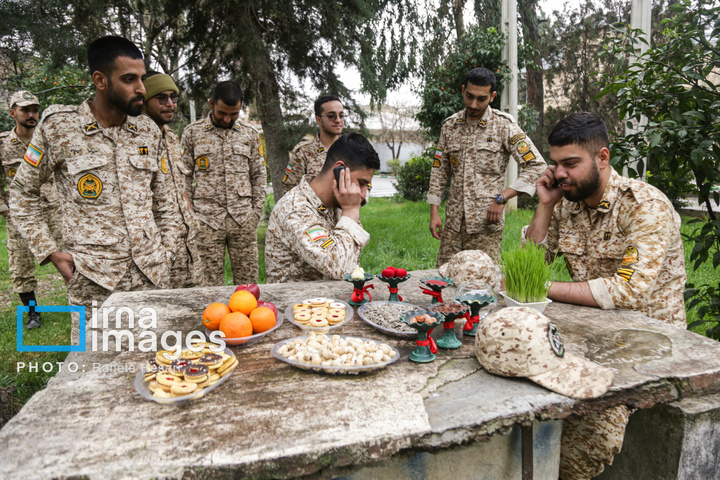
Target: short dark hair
[
  {"x": 482, "y": 77},
  {"x": 103, "y": 52},
  {"x": 229, "y": 92},
  {"x": 322, "y": 101},
  {"x": 586, "y": 129},
  {"x": 354, "y": 150}
]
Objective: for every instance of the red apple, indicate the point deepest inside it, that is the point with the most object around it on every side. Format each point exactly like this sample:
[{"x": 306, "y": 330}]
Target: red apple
[
  {"x": 269, "y": 305},
  {"x": 389, "y": 272},
  {"x": 400, "y": 272},
  {"x": 250, "y": 287}
]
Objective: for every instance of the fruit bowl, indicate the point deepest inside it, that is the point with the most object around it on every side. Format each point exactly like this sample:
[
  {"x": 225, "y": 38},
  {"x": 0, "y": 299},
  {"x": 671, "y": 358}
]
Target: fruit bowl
[{"x": 252, "y": 338}]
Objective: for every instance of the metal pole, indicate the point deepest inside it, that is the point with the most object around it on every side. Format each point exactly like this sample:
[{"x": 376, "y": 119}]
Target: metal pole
[
  {"x": 509, "y": 98},
  {"x": 640, "y": 18}
]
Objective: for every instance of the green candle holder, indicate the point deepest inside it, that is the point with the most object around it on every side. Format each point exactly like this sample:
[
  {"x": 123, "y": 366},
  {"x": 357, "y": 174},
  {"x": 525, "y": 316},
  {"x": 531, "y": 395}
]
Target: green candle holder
[
  {"x": 393, "y": 286},
  {"x": 426, "y": 346},
  {"x": 359, "y": 290},
  {"x": 435, "y": 286},
  {"x": 476, "y": 295},
  {"x": 457, "y": 310}
]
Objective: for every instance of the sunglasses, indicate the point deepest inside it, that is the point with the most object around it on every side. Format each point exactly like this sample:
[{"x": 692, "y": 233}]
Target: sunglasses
[
  {"x": 163, "y": 98},
  {"x": 334, "y": 116}
]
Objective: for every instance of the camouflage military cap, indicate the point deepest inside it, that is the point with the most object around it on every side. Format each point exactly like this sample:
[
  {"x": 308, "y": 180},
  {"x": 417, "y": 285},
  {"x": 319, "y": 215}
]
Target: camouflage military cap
[
  {"x": 23, "y": 98},
  {"x": 472, "y": 265},
  {"x": 522, "y": 342}
]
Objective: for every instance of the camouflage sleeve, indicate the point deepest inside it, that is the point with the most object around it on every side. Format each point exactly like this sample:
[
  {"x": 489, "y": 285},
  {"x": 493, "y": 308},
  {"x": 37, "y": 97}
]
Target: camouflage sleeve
[
  {"x": 525, "y": 153},
  {"x": 648, "y": 230},
  {"x": 440, "y": 172},
  {"x": 258, "y": 178},
  {"x": 4, "y": 200},
  {"x": 34, "y": 171},
  {"x": 186, "y": 165},
  {"x": 333, "y": 253},
  {"x": 167, "y": 214},
  {"x": 294, "y": 171}
]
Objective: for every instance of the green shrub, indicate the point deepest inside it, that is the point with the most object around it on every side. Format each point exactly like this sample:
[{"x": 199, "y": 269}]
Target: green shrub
[
  {"x": 394, "y": 166},
  {"x": 413, "y": 178}
]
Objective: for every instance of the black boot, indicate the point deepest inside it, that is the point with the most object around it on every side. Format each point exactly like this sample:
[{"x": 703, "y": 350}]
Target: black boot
[{"x": 34, "y": 320}]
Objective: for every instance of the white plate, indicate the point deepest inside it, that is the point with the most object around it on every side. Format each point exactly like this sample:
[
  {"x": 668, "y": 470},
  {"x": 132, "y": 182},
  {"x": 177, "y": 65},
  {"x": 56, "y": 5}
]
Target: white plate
[
  {"x": 142, "y": 387},
  {"x": 291, "y": 317},
  {"x": 335, "y": 370},
  {"x": 389, "y": 331}
]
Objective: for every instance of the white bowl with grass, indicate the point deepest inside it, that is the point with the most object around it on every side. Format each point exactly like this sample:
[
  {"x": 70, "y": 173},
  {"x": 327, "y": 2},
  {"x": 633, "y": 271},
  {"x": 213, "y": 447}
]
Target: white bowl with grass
[
  {"x": 527, "y": 276},
  {"x": 539, "y": 306}
]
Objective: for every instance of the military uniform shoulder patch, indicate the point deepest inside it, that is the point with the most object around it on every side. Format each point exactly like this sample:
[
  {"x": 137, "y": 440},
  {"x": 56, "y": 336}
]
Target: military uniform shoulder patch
[
  {"x": 604, "y": 204},
  {"x": 91, "y": 127},
  {"x": 132, "y": 127},
  {"x": 327, "y": 243},
  {"x": 438, "y": 153},
  {"x": 143, "y": 150},
  {"x": 12, "y": 172},
  {"x": 514, "y": 139},
  {"x": 631, "y": 256},
  {"x": 454, "y": 160},
  {"x": 163, "y": 165},
  {"x": 261, "y": 152},
  {"x": 528, "y": 156},
  {"x": 33, "y": 155},
  {"x": 90, "y": 186},
  {"x": 202, "y": 162},
  {"x": 317, "y": 233},
  {"x": 523, "y": 148}
]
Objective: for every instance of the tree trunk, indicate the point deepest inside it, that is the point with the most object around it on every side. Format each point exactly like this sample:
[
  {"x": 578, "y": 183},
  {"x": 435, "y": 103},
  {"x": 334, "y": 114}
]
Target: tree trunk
[
  {"x": 534, "y": 71},
  {"x": 267, "y": 95},
  {"x": 457, "y": 9}
]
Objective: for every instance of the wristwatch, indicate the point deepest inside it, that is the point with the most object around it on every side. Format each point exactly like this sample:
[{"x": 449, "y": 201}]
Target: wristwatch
[{"x": 499, "y": 198}]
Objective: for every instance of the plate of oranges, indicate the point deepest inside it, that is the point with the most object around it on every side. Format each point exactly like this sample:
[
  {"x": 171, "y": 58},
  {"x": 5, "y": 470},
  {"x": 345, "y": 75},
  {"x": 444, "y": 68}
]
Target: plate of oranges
[{"x": 241, "y": 319}]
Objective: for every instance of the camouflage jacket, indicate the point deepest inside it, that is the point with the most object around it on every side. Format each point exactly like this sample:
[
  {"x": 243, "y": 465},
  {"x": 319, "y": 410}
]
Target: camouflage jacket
[
  {"x": 629, "y": 249},
  {"x": 474, "y": 158},
  {"x": 108, "y": 181},
  {"x": 308, "y": 241},
  {"x": 229, "y": 171},
  {"x": 12, "y": 150},
  {"x": 307, "y": 158}
]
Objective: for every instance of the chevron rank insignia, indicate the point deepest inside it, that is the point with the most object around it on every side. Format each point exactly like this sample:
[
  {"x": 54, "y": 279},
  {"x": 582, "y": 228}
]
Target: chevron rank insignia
[
  {"x": 327, "y": 243},
  {"x": 626, "y": 273},
  {"x": 528, "y": 156}
]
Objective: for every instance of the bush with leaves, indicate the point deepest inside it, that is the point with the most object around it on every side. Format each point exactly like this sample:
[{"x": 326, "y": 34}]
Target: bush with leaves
[
  {"x": 675, "y": 87},
  {"x": 413, "y": 178},
  {"x": 441, "y": 91}
]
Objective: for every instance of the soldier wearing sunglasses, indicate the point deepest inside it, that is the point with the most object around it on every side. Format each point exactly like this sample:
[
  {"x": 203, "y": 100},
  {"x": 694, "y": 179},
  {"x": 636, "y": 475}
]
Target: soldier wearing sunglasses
[{"x": 308, "y": 156}]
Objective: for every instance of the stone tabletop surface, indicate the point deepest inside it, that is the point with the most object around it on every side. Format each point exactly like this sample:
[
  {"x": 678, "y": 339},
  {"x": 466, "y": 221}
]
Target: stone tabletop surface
[{"x": 271, "y": 420}]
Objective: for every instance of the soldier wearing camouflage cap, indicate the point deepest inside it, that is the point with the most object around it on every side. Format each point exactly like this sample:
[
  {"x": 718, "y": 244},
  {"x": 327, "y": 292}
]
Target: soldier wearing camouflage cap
[
  {"x": 161, "y": 99},
  {"x": 621, "y": 241},
  {"x": 225, "y": 156},
  {"x": 308, "y": 156},
  {"x": 105, "y": 162},
  {"x": 474, "y": 149},
  {"x": 24, "y": 108}
]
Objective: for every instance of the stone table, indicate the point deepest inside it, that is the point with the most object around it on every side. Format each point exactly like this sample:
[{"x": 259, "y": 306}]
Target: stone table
[{"x": 270, "y": 420}]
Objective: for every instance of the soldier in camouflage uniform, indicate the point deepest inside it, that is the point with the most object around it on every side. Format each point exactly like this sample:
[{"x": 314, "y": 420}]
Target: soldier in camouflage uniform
[
  {"x": 308, "y": 156},
  {"x": 621, "y": 241},
  {"x": 314, "y": 231},
  {"x": 24, "y": 107},
  {"x": 226, "y": 158},
  {"x": 474, "y": 149},
  {"x": 105, "y": 165},
  {"x": 161, "y": 97}
]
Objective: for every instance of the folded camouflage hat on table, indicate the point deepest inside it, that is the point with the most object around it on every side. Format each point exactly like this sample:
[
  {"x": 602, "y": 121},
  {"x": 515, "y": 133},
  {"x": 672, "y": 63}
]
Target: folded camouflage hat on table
[
  {"x": 472, "y": 265},
  {"x": 522, "y": 342}
]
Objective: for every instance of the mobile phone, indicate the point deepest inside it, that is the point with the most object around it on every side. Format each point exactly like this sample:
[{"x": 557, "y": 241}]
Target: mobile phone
[
  {"x": 337, "y": 171},
  {"x": 555, "y": 184}
]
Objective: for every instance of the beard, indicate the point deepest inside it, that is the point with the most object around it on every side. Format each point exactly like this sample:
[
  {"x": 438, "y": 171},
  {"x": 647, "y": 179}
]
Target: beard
[
  {"x": 217, "y": 123},
  {"x": 30, "y": 123},
  {"x": 584, "y": 188},
  {"x": 128, "y": 107}
]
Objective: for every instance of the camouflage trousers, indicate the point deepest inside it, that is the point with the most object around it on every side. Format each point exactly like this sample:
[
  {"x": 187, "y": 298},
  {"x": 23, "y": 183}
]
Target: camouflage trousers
[
  {"x": 488, "y": 240},
  {"x": 591, "y": 441},
  {"x": 81, "y": 291},
  {"x": 186, "y": 270},
  {"x": 241, "y": 241},
  {"x": 21, "y": 262}
]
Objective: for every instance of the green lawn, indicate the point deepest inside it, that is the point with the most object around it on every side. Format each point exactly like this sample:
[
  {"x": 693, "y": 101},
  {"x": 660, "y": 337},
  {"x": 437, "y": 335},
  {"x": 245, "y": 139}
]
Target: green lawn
[{"x": 399, "y": 236}]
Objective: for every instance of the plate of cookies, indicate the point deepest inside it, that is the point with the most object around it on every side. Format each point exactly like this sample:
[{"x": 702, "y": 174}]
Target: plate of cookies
[
  {"x": 168, "y": 380},
  {"x": 335, "y": 354},
  {"x": 319, "y": 314}
]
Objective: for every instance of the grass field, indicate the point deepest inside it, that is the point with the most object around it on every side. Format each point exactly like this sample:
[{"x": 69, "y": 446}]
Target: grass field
[{"x": 399, "y": 236}]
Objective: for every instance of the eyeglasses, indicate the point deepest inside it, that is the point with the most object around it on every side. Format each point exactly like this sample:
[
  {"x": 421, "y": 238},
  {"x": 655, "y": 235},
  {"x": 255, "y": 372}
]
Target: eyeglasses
[
  {"x": 334, "y": 116},
  {"x": 163, "y": 98}
]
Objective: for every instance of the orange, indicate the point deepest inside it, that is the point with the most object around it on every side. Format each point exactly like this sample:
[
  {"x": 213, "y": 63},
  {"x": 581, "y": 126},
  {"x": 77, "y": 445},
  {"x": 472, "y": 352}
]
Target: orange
[
  {"x": 262, "y": 319},
  {"x": 242, "y": 301},
  {"x": 236, "y": 325},
  {"x": 213, "y": 314}
]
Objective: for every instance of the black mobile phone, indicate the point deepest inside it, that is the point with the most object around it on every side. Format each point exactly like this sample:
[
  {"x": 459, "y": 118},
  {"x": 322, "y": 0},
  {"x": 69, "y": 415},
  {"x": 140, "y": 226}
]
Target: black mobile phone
[{"x": 337, "y": 171}]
